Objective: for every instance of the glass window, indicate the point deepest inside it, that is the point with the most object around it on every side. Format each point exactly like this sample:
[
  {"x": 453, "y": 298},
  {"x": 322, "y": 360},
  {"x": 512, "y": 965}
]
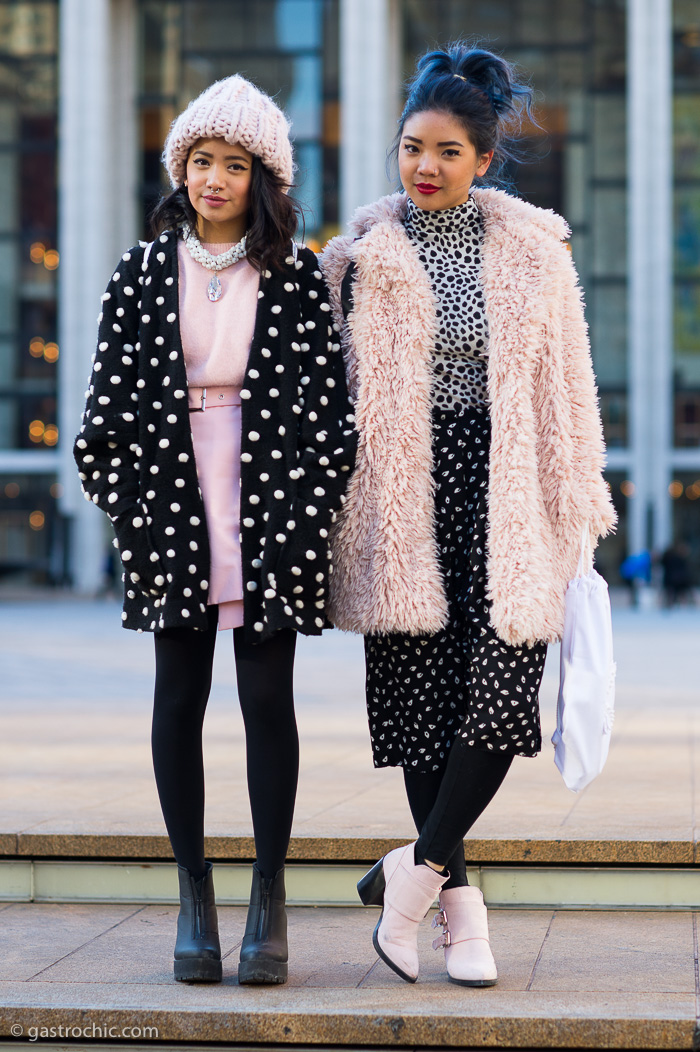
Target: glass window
[
  {"x": 32, "y": 540},
  {"x": 29, "y": 257},
  {"x": 685, "y": 494},
  {"x": 686, "y": 202},
  {"x": 29, "y": 264},
  {"x": 608, "y": 308},
  {"x": 611, "y": 552},
  {"x": 287, "y": 47}
]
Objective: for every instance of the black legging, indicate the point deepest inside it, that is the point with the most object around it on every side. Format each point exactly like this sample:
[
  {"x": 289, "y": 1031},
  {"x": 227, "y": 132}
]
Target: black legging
[
  {"x": 446, "y": 804},
  {"x": 264, "y": 671},
  {"x": 422, "y": 791}
]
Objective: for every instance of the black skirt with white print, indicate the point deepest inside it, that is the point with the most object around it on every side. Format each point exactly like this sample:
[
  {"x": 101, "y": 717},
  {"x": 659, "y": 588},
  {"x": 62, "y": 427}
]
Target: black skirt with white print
[{"x": 424, "y": 691}]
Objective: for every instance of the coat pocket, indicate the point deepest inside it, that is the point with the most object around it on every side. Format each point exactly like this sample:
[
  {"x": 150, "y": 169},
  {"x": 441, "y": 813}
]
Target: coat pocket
[
  {"x": 139, "y": 557},
  {"x": 301, "y": 570}
]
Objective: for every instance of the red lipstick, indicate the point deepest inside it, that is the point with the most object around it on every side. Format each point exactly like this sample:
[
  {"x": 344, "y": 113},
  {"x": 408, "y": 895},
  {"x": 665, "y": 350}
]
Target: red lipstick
[{"x": 427, "y": 188}]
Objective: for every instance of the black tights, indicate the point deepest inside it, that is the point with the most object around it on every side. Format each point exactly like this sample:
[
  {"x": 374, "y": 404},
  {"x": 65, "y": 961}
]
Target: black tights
[
  {"x": 264, "y": 671},
  {"x": 446, "y": 804}
]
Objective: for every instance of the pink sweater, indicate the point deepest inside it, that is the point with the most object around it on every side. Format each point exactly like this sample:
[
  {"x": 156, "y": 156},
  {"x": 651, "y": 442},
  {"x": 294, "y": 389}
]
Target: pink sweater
[
  {"x": 216, "y": 336},
  {"x": 216, "y": 340}
]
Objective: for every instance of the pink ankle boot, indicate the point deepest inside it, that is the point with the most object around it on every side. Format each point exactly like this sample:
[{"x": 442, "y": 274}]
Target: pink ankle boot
[
  {"x": 406, "y": 892},
  {"x": 465, "y": 936}
]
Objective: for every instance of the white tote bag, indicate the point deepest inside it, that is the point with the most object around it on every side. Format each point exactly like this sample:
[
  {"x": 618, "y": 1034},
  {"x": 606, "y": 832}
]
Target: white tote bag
[{"x": 586, "y": 703}]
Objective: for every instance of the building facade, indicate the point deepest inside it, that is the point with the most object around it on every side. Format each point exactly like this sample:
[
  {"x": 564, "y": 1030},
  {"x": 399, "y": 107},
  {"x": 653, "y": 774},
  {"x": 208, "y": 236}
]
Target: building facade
[{"x": 88, "y": 89}]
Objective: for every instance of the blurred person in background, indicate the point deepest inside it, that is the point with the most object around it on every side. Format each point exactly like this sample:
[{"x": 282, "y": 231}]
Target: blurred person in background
[
  {"x": 635, "y": 571},
  {"x": 676, "y": 574}
]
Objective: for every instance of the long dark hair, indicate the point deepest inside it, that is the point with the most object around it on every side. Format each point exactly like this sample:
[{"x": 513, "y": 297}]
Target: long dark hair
[
  {"x": 477, "y": 88},
  {"x": 273, "y": 217}
]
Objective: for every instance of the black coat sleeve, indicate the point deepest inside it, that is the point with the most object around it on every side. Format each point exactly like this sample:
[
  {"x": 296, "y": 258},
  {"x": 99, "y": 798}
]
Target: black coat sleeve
[
  {"x": 107, "y": 449},
  {"x": 347, "y": 291},
  {"x": 328, "y": 439}
]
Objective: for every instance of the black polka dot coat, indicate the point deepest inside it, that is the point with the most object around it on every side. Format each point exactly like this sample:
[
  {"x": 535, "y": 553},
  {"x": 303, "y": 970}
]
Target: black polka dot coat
[{"x": 136, "y": 459}]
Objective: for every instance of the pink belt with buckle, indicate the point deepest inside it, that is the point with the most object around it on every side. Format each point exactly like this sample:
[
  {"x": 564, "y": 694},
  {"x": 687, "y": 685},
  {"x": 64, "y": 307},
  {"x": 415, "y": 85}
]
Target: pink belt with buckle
[{"x": 202, "y": 398}]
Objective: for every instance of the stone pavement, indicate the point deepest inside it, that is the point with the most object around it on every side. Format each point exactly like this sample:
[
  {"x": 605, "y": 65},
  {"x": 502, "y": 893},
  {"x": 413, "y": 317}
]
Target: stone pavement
[
  {"x": 568, "y": 980},
  {"x": 75, "y": 698},
  {"x": 76, "y": 783}
]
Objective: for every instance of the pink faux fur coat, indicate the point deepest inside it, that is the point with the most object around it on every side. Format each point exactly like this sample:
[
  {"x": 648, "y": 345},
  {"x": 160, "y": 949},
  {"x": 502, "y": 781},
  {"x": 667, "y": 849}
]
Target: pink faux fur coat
[{"x": 547, "y": 453}]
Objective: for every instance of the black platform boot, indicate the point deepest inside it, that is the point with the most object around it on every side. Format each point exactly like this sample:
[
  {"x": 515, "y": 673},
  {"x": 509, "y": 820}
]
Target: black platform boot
[
  {"x": 264, "y": 951},
  {"x": 197, "y": 950}
]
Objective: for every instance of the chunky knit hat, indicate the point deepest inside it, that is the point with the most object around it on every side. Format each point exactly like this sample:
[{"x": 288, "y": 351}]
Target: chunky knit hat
[{"x": 235, "y": 110}]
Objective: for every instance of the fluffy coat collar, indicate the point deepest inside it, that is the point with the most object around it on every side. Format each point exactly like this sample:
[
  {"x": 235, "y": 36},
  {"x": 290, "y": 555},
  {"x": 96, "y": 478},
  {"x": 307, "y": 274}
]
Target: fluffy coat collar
[{"x": 496, "y": 207}]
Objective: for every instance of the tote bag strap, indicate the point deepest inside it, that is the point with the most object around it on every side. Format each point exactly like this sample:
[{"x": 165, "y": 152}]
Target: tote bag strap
[{"x": 585, "y": 559}]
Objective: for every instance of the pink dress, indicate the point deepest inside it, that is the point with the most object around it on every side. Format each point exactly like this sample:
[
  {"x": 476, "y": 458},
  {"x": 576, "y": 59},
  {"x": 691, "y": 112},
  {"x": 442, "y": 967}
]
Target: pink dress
[{"x": 216, "y": 340}]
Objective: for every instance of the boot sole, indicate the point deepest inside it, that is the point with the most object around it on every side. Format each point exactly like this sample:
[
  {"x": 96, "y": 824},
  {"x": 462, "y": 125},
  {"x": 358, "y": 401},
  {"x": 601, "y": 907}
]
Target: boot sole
[
  {"x": 262, "y": 973},
  {"x": 387, "y": 960},
  {"x": 198, "y": 970},
  {"x": 472, "y": 982},
  {"x": 371, "y": 887}
]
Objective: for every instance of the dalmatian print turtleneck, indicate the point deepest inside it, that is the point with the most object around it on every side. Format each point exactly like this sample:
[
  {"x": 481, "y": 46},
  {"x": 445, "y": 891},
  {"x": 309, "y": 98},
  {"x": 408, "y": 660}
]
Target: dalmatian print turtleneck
[{"x": 449, "y": 246}]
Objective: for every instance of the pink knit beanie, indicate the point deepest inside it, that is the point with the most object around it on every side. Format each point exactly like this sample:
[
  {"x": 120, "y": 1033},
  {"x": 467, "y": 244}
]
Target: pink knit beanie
[{"x": 235, "y": 110}]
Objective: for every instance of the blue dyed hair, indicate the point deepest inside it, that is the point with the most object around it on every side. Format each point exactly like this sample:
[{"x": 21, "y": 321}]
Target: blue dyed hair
[{"x": 477, "y": 88}]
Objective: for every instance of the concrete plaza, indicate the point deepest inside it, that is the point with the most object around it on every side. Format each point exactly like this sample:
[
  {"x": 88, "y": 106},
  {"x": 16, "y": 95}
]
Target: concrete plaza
[
  {"x": 76, "y": 784},
  {"x": 75, "y": 704}
]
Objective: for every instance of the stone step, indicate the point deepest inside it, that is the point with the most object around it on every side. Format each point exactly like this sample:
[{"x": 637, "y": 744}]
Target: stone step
[
  {"x": 530, "y": 887},
  {"x": 323, "y": 871},
  {"x": 567, "y": 980},
  {"x": 362, "y": 850}
]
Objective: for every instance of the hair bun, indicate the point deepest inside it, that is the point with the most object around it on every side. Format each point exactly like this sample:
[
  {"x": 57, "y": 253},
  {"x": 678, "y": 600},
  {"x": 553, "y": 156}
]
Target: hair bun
[
  {"x": 479, "y": 89},
  {"x": 486, "y": 71},
  {"x": 435, "y": 63}
]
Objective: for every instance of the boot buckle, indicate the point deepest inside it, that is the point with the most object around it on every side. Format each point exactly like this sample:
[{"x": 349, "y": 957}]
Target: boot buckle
[
  {"x": 439, "y": 920},
  {"x": 442, "y": 940}
]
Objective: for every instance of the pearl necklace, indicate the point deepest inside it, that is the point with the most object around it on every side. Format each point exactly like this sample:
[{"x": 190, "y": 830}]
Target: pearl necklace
[{"x": 211, "y": 262}]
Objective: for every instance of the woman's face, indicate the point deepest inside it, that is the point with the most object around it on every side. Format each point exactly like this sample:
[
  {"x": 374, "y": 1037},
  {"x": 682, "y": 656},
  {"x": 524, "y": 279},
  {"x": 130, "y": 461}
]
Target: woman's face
[
  {"x": 437, "y": 161},
  {"x": 218, "y": 180}
]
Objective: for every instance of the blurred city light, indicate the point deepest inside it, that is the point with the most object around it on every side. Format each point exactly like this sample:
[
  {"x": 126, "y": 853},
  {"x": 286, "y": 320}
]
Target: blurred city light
[{"x": 36, "y": 430}]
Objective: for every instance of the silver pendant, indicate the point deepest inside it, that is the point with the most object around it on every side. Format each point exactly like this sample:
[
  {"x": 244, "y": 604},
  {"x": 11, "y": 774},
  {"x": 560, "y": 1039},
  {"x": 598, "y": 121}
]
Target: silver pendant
[{"x": 214, "y": 289}]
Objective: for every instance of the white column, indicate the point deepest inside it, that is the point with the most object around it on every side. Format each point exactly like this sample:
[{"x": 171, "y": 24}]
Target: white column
[
  {"x": 370, "y": 98},
  {"x": 124, "y": 141},
  {"x": 97, "y": 210},
  {"x": 650, "y": 225}
]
